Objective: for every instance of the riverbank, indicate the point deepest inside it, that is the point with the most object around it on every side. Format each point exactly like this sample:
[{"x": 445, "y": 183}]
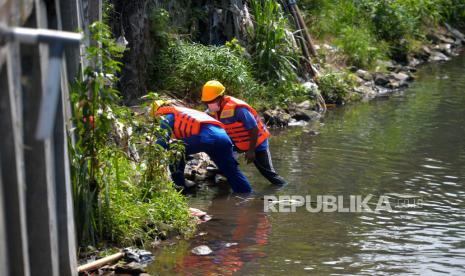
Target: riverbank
[{"x": 446, "y": 43}]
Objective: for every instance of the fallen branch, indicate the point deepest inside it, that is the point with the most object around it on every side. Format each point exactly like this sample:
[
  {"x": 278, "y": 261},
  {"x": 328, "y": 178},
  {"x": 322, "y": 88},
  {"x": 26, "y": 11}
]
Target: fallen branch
[{"x": 100, "y": 262}]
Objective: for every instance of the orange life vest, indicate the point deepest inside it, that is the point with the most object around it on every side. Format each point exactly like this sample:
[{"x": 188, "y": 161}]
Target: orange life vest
[
  {"x": 187, "y": 122},
  {"x": 236, "y": 130}
]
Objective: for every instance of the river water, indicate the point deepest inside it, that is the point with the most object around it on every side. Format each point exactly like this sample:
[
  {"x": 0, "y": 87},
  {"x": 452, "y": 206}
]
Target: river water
[{"x": 409, "y": 147}]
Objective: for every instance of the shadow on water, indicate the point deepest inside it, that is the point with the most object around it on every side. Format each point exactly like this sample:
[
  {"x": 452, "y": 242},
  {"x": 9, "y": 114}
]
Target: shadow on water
[{"x": 411, "y": 144}]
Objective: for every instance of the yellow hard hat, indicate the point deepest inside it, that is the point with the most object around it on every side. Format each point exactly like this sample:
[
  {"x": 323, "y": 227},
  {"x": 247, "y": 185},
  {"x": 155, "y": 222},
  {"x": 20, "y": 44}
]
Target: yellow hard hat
[
  {"x": 156, "y": 105},
  {"x": 211, "y": 90}
]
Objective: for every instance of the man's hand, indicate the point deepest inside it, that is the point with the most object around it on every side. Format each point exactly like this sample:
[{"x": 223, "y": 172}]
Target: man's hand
[{"x": 250, "y": 156}]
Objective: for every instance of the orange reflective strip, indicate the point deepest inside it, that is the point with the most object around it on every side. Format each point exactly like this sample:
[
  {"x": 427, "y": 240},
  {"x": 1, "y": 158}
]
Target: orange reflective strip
[
  {"x": 239, "y": 134},
  {"x": 177, "y": 134},
  {"x": 189, "y": 125},
  {"x": 181, "y": 124}
]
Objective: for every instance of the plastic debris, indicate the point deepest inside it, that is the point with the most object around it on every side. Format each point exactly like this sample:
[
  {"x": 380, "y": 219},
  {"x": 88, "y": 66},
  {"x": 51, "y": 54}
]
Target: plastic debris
[{"x": 201, "y": 250}]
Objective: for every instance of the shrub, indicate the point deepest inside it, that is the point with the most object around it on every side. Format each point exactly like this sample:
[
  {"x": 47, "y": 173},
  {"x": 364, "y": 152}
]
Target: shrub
[
  {"x": 274, "y": 56},
  {"x": 335, "y": 87},
  {"x": 358, "y": 45},
  {"x": 184, "y": 67},
  {"x": 117, "y": 197}
]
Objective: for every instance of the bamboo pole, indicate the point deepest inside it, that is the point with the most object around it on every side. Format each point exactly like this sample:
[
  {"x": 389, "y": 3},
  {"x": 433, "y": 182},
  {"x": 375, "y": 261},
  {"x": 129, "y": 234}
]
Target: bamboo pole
[
  {"x": 304, "y": 29},
  {"x": 100, "y": 262}
]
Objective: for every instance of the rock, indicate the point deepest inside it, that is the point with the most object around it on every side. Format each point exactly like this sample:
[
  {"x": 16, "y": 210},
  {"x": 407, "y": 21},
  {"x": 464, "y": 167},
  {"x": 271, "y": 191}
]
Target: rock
[
  {"x": 439, "y": 38},
  {"x": 401, "y": 76},
  {"x": 310, "y": 86},
  {"x": 385, "y": 63},
  {"x": 212, "y": 170},
  {"x": 394, "y": 84},
  {"x": 424, "y": 53},
  {"x": 330, "y": 48},
  {"x": 220, "y": 179},
  {"x": 438, "y": 56},
  {"x": 394, "y": 68},
  {"x": 277, "y": 117},
  {"x": 201, "y": 250},
  {"x": 201, "y": 176},
  {"x": 366, "y": 91},
  {"x": 412, "y": 63},
  {"x": 305, "y": 115},
  {"x": 410, "y": 69},
  {"x": 189, "y": 183},
  {"x": 130, "y": 268},
  {"x": 381, "y": 79},
  {"x": 456, "y": 33},
  {"x": 229, "y": 244},
  {"x": 444, "y": 48},
  {"x": 364, "y": 75},
  {"x": 137, "y": 255},
  {"x": 304, "y": 105}
]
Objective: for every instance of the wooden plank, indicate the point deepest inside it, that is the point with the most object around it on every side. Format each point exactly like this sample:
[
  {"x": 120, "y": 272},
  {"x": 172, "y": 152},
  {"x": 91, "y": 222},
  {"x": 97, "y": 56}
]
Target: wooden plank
[
  {"x": 3, "y": 236},
  {"x": 68, "y": 21},
  {"x": 65, "y": 212},
  {"x": 41, "y": 215},
  {"x": 12, "y": 162},
  {"x": 40, "y": 180}
]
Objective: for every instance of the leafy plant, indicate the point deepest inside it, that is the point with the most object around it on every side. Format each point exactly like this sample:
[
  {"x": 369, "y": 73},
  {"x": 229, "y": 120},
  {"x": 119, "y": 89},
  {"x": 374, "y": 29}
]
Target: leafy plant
[
  {"x": 359, "y": 47},
  {"x": 184, "y": 67},
  {"x": 335, "y": 87},
  {"x": 120, "y": 187},
  {"x": 274, "y": 56}
]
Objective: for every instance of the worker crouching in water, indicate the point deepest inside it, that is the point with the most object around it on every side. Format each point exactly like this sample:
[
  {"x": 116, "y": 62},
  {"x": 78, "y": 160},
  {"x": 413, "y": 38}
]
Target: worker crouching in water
[
  {"x": 244, "y": 127},
  {"x": 200, "y": 133}
]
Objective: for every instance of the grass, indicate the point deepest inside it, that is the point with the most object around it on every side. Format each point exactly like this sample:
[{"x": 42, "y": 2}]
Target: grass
[
  {"x": 368, "y": 30},
  {"x": 121, "y": 190}
]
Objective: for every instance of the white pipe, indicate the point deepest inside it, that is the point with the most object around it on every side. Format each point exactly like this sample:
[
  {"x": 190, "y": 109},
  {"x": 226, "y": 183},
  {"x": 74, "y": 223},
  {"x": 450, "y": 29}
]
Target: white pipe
[{"x": 32, "y": 36}]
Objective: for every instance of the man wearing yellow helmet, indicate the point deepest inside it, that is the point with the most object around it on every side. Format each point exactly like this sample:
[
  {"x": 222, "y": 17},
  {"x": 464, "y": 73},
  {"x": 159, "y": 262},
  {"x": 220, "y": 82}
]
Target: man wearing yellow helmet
[
  {"x": 200, "y": 133},
  {"x": 244, "y": 126}
]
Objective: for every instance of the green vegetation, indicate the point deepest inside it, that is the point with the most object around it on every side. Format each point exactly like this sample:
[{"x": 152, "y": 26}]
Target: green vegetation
[
  {"x": 263, "y": 72},
  {"x": 273, "y": 54},
  {"x": 121, "y": 189},
  {"x": 335, "y": 87},
  {"x": 184, "y": 67},
  {"x": 365, "y": 30}
]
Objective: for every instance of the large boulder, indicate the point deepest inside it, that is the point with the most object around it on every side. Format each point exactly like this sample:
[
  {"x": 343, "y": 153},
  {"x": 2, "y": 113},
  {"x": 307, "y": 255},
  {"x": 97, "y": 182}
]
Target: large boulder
[
  {"x": 381, "y": 79},
  {"x": 276, "y": 117},
  {"x": 365, "y": 75},
  {"x": 306, "y": 115},
  {"x": 438, "y": 56},
  {"x": 439, "y": 38},
  {"x": 444, "y": 48},
  {"x": 456, "y": 33}
]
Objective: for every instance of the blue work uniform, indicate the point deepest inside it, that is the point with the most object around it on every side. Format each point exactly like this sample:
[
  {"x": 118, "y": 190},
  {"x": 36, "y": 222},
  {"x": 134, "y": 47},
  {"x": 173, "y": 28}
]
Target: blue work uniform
[
  {"x": 262, "y": 152},
  {"x": 214, "y": 141}
]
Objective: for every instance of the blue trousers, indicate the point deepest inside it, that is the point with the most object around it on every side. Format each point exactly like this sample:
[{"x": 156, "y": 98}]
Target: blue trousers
[{"x": 215, "y": 142}]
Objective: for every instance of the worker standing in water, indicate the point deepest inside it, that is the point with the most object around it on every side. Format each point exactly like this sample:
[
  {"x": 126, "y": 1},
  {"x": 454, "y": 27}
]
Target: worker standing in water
[
  {"x": 244, "y": 126},
  {"x": 200, "y": 133}
]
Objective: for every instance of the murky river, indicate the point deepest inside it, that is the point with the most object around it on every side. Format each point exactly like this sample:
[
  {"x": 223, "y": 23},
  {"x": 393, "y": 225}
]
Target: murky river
[{"x": 410, "y": 147}]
